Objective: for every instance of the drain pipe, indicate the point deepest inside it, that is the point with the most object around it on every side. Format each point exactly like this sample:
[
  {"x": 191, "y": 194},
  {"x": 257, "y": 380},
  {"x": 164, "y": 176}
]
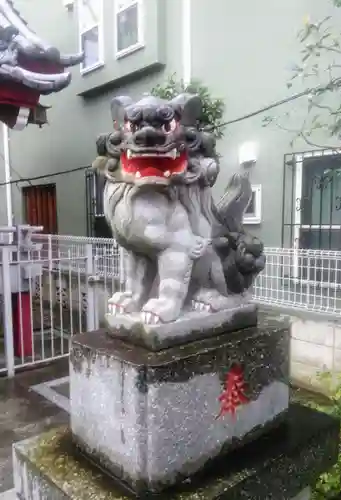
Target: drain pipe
[
  {"x": 8, "y": 187},
  {"x": 186, "y": 41}
]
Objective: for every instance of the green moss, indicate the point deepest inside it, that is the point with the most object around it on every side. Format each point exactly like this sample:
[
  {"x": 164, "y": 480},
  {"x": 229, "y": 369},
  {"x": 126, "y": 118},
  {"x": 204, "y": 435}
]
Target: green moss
[
  {"x": 55, "y": 456},
  {"x": 328, "y": 485}
]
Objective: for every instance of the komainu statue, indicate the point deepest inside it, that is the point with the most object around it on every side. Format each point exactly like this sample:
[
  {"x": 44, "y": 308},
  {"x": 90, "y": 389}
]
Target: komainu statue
[{"x": 185, "y": 254}]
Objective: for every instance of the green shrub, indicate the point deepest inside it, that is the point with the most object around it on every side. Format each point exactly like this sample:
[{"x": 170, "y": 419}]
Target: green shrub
[{"x": 329, "y": 484}]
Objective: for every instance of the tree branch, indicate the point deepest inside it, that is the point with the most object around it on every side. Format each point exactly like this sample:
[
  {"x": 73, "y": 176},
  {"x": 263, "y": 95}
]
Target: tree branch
[
  {"x": 328, "y": 48},
  {"x": 335, "y": 149}
]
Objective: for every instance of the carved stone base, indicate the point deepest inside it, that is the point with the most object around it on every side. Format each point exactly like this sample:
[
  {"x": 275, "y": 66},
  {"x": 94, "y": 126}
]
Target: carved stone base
[
  {"x": 192, "y": 325},
  {"x": 280, "y": 465},
  {"x": 152, "y": 418}
]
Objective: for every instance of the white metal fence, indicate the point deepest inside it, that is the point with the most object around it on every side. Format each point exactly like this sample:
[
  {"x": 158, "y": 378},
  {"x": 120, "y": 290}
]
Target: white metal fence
[
  {"x": 306, "y": 280},
  {"x": 78, "y": 275}
]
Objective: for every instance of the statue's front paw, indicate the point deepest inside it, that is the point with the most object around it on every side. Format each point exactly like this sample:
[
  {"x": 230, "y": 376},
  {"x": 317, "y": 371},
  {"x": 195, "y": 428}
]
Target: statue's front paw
[
  {"x": 123, "y": 303},
  {"x": 200, "y": 247},
  {"x": 160, "y": 310}
]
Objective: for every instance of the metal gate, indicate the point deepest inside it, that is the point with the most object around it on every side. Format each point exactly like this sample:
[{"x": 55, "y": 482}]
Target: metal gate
[
  {"x": 311, "y": 227},
  {"x": 58, "y": 288},
  {"x": 96, "y": 223},
  {"x": 312, "y": 200}
]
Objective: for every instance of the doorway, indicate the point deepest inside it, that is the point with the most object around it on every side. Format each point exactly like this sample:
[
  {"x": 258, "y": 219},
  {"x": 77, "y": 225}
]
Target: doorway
[{"x": 40, "y": 207}]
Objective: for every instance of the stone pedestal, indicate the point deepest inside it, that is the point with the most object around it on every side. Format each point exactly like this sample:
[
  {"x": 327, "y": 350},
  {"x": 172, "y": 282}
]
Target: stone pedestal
[
  {"x": 153, "y": 418},
  {"x": 279, "y": 465}
]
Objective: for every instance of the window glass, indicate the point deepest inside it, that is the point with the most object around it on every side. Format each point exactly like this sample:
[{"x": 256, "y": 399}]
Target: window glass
[{"x": 127, "y": 22}]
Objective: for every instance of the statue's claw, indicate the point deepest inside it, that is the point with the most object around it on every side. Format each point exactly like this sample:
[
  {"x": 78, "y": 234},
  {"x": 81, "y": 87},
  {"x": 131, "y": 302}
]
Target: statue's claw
[
  {"x": 123, "y": 303},
  {"x": 115, "y": 309},
  {"x": 210, "y": 300},
  {"x": 160, "y": 309},
  {"x": 201, "y": 306},
  {"x": 149, "y": 318}
]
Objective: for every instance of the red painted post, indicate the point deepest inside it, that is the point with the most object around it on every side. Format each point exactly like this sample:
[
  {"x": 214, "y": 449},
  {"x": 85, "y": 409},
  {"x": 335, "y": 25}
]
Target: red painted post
[{"x": 22, "y": 325}]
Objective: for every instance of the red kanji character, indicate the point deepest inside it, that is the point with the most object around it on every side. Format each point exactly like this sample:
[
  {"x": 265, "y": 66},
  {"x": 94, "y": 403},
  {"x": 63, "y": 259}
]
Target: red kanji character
[{"x": 233, "y": 394}]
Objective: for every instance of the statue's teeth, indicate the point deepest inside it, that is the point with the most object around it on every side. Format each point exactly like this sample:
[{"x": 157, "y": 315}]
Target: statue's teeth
[
  {"x": 138, "y": 174},
  {"x": 167, "y": 173},
  {"x": 129, "y": 154}
]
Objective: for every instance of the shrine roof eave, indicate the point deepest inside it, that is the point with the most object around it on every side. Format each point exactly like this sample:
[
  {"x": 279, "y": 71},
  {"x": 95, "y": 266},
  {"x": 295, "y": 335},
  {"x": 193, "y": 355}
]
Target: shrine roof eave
[{"x": 15, "y": 29}]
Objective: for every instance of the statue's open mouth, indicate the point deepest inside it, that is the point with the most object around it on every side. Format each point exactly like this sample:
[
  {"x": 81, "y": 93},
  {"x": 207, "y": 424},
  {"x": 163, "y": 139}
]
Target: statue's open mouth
[{"x": 153, "y": 164}]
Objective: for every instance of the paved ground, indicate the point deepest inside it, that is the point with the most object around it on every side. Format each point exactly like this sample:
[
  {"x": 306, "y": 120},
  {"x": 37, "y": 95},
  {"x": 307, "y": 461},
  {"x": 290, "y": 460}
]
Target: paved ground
[
  {"x": 24, "y": 413},
  {"x": 8, "y": 495}
]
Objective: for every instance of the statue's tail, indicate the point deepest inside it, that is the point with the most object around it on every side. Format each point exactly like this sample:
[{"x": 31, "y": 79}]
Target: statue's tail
[
  {"x": 241, "y": 254},
  {"x": 231, "y": 207}
]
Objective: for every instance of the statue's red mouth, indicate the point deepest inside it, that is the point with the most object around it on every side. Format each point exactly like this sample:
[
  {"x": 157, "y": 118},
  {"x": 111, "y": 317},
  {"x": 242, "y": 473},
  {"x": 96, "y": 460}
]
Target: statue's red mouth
[{"x": 153, "y": 164}]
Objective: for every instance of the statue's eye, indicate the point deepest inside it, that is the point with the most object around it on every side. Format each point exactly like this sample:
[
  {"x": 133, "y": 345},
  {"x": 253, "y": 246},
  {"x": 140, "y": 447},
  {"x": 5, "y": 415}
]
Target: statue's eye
[
  {"x": 169, "y": 126},
  {"x": 130, "y": 127},
  {"x": 127, "y": 126}
]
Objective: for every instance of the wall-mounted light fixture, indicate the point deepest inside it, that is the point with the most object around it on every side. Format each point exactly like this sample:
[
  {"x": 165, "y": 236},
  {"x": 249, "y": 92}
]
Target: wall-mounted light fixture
[
  {"x": 248, "y": 153},
  {"x": 69, "y": 4}
]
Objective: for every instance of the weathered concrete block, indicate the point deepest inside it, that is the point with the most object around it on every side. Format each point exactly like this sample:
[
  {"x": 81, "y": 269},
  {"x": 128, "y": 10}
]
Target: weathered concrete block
[
  {"x": 151, "y": 418},
  {"x": 279, "y": 466},
  {"x": 192, "y": 325}
]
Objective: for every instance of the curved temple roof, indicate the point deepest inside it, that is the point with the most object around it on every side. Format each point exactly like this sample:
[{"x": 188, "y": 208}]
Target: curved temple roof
[
  {"x": 16, "y": 38},
  {"x": 27, "y": 60}
]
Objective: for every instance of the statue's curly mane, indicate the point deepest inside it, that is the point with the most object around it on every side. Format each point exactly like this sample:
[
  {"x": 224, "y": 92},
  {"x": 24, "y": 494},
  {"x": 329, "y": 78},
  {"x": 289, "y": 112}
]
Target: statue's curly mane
[{"x": 115, "y": 193}]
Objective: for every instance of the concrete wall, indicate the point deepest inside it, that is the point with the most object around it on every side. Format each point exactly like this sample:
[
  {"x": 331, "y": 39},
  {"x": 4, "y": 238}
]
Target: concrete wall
[
  {"x": 315, "y": 348},
  {"x": 68, "y": 141},
  {"x": 246, "y": 60},
  {"x": 242, "y": 52}
]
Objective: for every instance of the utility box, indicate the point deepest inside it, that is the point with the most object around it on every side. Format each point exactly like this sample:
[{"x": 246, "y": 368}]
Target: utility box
[
  {"x": 24, "y": 265},
  {"x": 21, "y": 267}
]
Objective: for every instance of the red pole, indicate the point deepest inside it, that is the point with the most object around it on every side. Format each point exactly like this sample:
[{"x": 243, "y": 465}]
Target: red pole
[{"x": 22, "y": 325}]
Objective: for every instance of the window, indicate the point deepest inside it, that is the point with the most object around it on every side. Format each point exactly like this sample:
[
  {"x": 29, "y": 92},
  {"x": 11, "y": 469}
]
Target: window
[
  {"x": 253, "y": 213},
  {"x": 128, "y": 26},
  {"x": 91, "y": 33}
]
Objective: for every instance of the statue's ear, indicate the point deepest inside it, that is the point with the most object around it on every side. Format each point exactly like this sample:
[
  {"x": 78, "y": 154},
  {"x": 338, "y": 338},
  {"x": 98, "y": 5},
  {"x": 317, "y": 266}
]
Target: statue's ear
[
  {"x": 118, "y": 106},
  {"x": 101, "y": 144},
  {"x": 190, "y": 108}
]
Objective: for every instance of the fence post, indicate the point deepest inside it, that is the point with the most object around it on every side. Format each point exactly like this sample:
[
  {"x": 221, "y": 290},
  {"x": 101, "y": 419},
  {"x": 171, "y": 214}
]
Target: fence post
[
  {"x": 7, "y": 311},
  {"x": 122, "y": 277},
  {"x": 91, "y": 311}
]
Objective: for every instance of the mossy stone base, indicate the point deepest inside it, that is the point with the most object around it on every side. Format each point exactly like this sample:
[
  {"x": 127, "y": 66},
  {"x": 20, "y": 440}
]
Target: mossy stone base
[
  {"x": 278, "y": 466},
  {"x": 153, "y": 418}
]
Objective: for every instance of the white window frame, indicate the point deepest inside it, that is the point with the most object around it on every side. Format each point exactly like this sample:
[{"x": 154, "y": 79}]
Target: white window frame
[
  {"x": 100, "y": 25},
  {"x": 256, "y": 216},
  {"x": 299, "y": 159},
  {"x": 140, "y": 28}
]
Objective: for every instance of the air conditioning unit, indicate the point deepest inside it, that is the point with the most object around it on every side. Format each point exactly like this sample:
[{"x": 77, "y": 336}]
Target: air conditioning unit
[{"x": 68, "y": 4}]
